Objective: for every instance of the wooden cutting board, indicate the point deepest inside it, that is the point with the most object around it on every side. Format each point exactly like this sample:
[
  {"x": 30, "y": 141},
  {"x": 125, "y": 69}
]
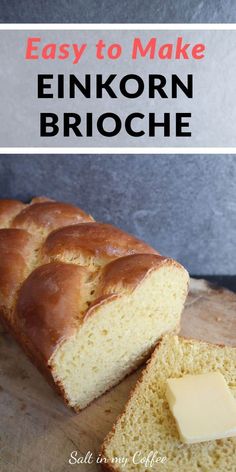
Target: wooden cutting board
[{"x": 38, "y": 433}]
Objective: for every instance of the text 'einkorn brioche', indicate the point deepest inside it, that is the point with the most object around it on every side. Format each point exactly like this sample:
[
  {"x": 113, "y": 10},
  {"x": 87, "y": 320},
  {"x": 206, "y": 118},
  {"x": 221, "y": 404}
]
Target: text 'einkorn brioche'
[{"x": 86, "y": 301}]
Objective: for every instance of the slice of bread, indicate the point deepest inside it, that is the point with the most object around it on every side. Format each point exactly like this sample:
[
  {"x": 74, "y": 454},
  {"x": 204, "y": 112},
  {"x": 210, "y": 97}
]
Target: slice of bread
[
  {"x": 87, "y": 301},
  {"x": 147, "y": 427}
]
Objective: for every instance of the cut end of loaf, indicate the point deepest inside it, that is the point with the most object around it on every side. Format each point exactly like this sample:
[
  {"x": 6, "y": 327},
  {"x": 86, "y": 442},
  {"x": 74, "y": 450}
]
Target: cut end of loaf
[
  {"x": 147, "y": 423},
  {"x": 119, "y": 334},
  {"x": 87, "y": 301}
]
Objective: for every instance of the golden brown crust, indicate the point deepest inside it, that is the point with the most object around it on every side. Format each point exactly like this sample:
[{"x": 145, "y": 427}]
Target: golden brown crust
[
  {"x": 57, "y": 266},
  {"x": 54, "y": 300},
  {"x": 16, "y": 254},
  {"x": 103, "y": 242},
  {"x": 41, "y": 200},
  {"x": 127, "y": 272},
  {"x": 8, "y": 210},
  {"x": 49, "y": 305},
  {"x": 48, "y": 215}
]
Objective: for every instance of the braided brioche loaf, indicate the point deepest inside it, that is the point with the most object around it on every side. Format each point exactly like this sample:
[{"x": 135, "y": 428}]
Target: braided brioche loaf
[{"x": 87, "y": 301}]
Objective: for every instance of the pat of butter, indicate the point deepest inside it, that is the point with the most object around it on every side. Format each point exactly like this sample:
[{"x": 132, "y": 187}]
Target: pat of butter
[{"x": 203, "y": 406}]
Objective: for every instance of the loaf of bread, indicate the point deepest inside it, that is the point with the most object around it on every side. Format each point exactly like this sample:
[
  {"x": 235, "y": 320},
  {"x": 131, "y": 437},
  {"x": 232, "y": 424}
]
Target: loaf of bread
[
  {"x": 147, "y": 429},
  {"x": 87, "y": 301}
]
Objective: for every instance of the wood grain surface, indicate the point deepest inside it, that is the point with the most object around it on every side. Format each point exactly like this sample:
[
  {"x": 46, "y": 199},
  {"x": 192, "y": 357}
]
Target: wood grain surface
[{"x": 38, "y": 433}]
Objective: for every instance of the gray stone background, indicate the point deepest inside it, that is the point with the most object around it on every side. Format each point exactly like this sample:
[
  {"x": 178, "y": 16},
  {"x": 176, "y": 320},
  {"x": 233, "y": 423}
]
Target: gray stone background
[
  {"x": 184, "y": 205},
  {"x": 118, "y": 11}
]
